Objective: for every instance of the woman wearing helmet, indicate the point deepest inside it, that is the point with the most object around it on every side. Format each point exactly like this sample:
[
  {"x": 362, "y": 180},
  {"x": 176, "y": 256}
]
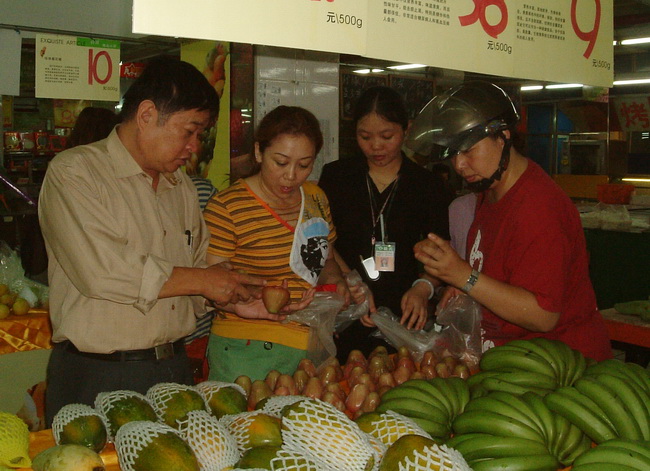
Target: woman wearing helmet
[{"x": 527, "y": 262}]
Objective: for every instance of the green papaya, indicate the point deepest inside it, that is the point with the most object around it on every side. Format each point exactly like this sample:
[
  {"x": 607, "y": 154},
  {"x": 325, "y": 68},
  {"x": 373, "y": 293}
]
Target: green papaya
[
  {"x": 68, "y": 457},
  {"x": 166, "y": 451}
]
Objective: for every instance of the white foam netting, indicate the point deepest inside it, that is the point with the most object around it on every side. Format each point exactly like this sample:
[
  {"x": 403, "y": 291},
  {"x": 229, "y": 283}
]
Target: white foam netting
[
  {"x": 208, "y": 388},
  {"x": 392, "y": 426},
  {"x": 291, "y": 460},
  {"x": 274, "y": 404},
  {"x": 104, "y": 401},
  {"x": 435, "y": 457},
  {"x": 70, "y": 412},
  {"x": 214, "y": 446},
  {"x": 378, "y": 447},
  {"x": 321, "y": 431},
  {"x": 132, "y": 437},
  {"x": 239, "y": 426},
  {"x": 160, "y": 394}
]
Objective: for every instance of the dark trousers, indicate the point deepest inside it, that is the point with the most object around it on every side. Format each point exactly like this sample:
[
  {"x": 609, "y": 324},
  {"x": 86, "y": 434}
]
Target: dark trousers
[{"x": 75, "y": 379}]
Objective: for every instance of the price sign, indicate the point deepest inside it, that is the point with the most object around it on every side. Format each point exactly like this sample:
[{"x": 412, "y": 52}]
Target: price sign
[{"x": 77, "y": 68}]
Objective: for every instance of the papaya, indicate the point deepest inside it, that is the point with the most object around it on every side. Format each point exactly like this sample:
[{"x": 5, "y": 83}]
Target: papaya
[
  {"x": 127, "y": 410},
  {"x": 264, "y": 430},
  {"x": 227, "y": 400},
  {"x": 86, "y": 430},
  {"x": 401, "y": 449},
  {"x": 68, "y": 457},
  {"x": 179, "y": 404},
  {"x": 366, "y": 421},
  {"x": 166, "y": 451},
  {"x": 258, "y": 458}
]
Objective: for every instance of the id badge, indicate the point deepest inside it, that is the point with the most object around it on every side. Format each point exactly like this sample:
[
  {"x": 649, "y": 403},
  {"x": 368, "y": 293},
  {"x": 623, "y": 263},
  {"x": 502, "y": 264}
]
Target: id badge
[{"x": 385, "y": 256}]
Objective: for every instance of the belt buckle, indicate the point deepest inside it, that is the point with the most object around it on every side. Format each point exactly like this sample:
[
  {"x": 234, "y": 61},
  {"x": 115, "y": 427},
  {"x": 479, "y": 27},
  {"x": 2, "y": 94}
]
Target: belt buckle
[{"x": 164, "y": 351}]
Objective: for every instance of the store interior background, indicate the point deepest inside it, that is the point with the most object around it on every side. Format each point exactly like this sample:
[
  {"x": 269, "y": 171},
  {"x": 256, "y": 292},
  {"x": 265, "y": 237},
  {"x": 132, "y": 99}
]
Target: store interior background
[{"x": 573, "y": 133}]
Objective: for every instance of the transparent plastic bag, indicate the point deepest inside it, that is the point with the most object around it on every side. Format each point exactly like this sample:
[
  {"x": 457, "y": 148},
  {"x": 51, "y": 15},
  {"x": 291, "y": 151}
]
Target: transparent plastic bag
[
  {"x": 320, "y": 315},
  {"x": 355, "y": 311},
  {"x": 460, "y": 335},
  {"x": 12, "y": 274}
]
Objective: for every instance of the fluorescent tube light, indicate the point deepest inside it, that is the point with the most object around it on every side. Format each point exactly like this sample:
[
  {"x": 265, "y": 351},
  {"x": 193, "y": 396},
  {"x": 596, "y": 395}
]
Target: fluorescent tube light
[
  {"x": 376, "y": 71},
  {"x": 627, "y": 42},
  {"x": 406, "y": 66},
  {"x": 362, "y": 71},
  {"x": 640, "y": 180},
  {"x": 528, "y": 88},
  {"x": 631, "y": 81},
  {"x": 564, "y": 85}
]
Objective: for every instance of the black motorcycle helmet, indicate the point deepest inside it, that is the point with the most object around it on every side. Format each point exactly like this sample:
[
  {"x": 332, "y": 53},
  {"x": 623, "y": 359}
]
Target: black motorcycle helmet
[{"x": 459, "y": 118}]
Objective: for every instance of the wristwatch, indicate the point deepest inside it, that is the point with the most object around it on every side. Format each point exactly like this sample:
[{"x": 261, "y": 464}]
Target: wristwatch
[{"x": 471, "y": 281}]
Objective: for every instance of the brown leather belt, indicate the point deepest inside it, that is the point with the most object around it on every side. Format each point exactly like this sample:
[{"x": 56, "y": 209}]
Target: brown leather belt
[{"x": 164, "y": 351}]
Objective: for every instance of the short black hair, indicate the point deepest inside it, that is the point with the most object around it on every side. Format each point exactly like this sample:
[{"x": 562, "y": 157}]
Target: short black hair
[
  {"x": 292, "y": 120},
  {"x": 384, "y": 101},
  {"x": 172, "y": 85}
]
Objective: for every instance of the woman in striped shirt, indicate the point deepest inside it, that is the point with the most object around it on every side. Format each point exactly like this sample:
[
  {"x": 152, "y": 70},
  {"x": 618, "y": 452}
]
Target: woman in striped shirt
[{"x": 275, "y": 225}]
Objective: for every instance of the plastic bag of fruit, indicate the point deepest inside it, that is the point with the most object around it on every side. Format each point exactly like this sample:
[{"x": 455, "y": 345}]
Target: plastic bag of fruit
[
  {"x": 346, "y": 317},
  {"x": 320, "y": 315},
  {"x": 14, "y": 281},
  {"x": 461, "y": 332}
]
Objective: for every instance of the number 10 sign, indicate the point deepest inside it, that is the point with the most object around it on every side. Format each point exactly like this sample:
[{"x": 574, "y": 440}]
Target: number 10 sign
[{"x": 77, "y": 68}]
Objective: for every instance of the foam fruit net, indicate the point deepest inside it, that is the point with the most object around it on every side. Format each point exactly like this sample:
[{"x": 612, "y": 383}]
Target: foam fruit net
[
  {"x": 132, "y": 437},
  {"x": 161, "y": 393},
  {"x": 14, "y": 442},
  {"x": 321, "y": 431},
  {"x": 208, "y": 388},
  {"x": 214, "y": 446},
  {"x": 434, "y": 458},
  {"x": 69, "y": 413},
  {"x": 274, "y": 404},
  {"x": 104, "y": 401},
  {"x": 392, "y": 426},
  {"x": 239, "y": 427}
]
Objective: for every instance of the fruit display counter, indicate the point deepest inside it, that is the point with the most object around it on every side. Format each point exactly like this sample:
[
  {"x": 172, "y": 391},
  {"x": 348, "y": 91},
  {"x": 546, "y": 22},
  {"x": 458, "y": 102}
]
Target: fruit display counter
[{"x": 533, "y": 405}]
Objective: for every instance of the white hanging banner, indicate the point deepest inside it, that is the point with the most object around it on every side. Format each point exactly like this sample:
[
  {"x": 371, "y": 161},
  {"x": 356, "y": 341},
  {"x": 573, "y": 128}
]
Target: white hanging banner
[
  {"x": 549, "y": 40},
  {"x": 77, "y": 68}
]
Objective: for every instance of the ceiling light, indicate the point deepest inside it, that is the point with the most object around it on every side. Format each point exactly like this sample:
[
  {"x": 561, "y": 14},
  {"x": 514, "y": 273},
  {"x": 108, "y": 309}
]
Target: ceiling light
[
  {"x": 361, "y": 71},
  {"x": 564, "y": 85},
  {"x": 627, "y": 42},
  {"x": 640, "y": 180},
  {"x": 631, "y": 81},
  {"x": 528, "y": 88},
  {"x": 376, "y": 71},
  {"x": 406, "y": 66}
]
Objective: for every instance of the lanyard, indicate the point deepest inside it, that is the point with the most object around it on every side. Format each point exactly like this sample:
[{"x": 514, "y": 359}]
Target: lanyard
[{"x": 378, "y": 217}]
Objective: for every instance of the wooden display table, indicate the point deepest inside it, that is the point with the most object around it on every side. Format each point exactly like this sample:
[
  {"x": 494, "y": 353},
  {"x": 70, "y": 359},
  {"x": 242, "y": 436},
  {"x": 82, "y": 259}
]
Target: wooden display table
[{"x": 39, "y": 441}]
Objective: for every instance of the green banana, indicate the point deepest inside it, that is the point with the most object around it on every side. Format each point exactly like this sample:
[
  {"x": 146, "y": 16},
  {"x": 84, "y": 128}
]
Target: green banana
[
  {"x": 495, "y": 359},
  {"x": 411, "y": 408},
  {"x": 534, "y": 345},
  {"x": 502, "y": 403},
  {"x": 580, "y": 365},
  {"x": 580, "y": 398},
  {"x": 457, "y": 439},
  {"x": 569, "y": 361},
  {"x": 633, "y": 308},
  {"x": 543, "y": 413},
  {"x": 609, "y": 402},
  {"x": 530, "y": 379},
  {"x": 409, "y": 391},
  {"x": 603, "y": 467},
  {"x": 502, "y": 384},
  {"x": 482, "y": 421},
  {"x": 642, "y": 447},
  {"x": 635, "y": 404},
  {"x": 447, "y": 390},
  {"x": 612, "y": 454},
  {"x": 641, "y": 375},
  {"x": 439, "y": 393},
  {"x": 460, "y": 391},
  {"x": 494, "y": 446},
  {"x": 579, "y": 415},
  {"x": 475, "y": 379},
  {"x": 553, "y": 348},
  {"x": 435, "y": 429},
  {"x": 572, "y": 440},
  {"x": 583, "y": 446},
  {"x": 563, "y": 428},
  {"x": 545, "y": 462}
]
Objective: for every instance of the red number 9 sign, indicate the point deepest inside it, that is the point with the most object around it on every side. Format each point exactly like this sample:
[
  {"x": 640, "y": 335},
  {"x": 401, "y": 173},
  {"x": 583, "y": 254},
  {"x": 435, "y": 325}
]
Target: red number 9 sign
[{"x": 589, "y": 36}]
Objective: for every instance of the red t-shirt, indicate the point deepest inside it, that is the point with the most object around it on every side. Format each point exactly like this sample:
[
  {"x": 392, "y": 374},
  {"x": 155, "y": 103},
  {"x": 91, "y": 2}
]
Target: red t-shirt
[{"x": 533, "y": 238}]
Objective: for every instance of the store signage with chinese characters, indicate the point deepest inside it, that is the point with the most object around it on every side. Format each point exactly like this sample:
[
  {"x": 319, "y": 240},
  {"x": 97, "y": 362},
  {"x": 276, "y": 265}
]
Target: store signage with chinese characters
[
  {"x": 77, "y": 67},
  {"x": 131, "y": 70},
  {"x": 549, "y": 40},
  {"x": 633, "y": 113}
]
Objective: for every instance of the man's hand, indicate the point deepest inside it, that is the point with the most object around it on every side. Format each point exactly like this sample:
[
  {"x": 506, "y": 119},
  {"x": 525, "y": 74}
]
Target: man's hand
[
  {"x": 414, "y": 306},
  {"x": 224, "y": 286},
  {"x": 441, "y": 261}
]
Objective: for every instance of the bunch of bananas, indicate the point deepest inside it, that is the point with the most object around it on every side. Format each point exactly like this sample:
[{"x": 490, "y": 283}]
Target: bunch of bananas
[
  {"x": 611, "y": 400},
  {"x": 615, "y": 455},
  {"x": 539, "y": 365},
  {"x": 432, "y": 404},
  {"x": 501, "y": 430}
]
